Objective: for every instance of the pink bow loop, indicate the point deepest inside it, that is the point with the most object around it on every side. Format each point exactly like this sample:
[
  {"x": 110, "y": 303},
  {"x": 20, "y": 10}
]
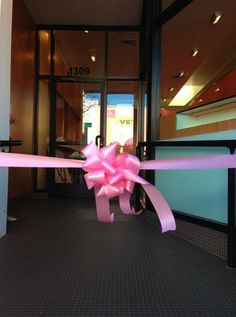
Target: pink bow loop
[{"x": 112, "y": 174}]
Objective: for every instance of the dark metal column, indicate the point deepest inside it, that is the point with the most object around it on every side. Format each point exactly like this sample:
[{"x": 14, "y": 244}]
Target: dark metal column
[
  {"x": 103, "y": 115},
  {"x": 153, "y": 84},
  {"x": 231, "y": 216},
  {"x": 154, "y": 71}
]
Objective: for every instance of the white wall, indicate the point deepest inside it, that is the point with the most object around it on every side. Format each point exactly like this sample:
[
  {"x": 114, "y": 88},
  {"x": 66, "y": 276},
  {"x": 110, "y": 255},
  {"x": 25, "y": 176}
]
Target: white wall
[{"x": 5, "y": 70}]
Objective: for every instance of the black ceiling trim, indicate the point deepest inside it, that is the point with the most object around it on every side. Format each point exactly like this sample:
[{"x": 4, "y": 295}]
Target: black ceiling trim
[
  {"x": 171, "y": 11},
  {"x": 144, "y": 14},
  {"x": 88, "y": 27}
]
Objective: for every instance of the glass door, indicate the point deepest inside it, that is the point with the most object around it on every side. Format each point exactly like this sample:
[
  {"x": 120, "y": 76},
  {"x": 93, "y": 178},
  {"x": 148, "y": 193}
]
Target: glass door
[
  {"x": 121, "y": 114},
  {"x": 75, "y": 122}
]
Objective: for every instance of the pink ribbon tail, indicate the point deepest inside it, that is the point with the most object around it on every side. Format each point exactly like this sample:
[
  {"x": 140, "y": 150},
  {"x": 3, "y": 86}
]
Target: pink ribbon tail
[
  {"x": 125, "y": 207},
  {"x": 103, "y": 207},
  {"x": 162, "y": 209}
]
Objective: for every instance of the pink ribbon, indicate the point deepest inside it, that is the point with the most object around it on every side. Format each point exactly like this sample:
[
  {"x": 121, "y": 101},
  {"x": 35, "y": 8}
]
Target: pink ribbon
[{"x": 114, "y": 175}]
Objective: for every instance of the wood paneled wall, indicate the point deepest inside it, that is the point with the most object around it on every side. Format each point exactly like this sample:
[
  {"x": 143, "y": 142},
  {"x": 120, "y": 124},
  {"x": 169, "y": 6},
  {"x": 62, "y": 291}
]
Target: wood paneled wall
[
  {"x": 22, "y": 94},
  {"x": 168, "y": 128}
]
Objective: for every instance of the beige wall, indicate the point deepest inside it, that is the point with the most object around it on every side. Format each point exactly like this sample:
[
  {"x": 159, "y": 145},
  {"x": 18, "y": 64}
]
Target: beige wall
[{"x": 22, "y": 94}]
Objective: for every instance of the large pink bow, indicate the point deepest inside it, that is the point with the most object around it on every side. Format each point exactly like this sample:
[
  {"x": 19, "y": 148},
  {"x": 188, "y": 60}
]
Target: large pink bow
[{"x": 115, "y": 175}]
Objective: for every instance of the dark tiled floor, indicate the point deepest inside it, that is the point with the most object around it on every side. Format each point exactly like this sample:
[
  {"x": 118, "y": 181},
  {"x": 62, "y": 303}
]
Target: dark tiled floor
[{"x": 57, "y": 260}]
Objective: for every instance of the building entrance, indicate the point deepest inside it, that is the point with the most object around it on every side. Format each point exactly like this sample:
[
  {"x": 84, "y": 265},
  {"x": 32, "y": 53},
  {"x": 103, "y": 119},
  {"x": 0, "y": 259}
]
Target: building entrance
[{"x": 88, "y": 91}]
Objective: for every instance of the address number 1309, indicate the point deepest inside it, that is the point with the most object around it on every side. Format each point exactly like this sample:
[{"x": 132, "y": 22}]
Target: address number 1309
[{"x": 78, "y": 71}]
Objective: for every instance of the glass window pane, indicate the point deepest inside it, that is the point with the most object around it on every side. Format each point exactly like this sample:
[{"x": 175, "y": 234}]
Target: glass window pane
[
  {"x": 123, "y": 54},
  {"x": 79, "y": 53},
  {"x": 44, "y": 52},
  {"x": 77, "y": 124},
  {"x": 122, "y": 100},
  {"x": 78, "y": 112}
]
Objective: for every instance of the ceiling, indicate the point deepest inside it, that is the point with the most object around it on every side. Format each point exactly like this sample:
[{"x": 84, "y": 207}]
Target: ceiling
[
  {"x": 190, "y": 28},
  {"x": 86, "y": 12}
]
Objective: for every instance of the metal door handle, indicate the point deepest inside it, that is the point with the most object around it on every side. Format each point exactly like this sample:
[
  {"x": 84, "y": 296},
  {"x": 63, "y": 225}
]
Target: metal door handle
[{"x": 99, "y": 137}]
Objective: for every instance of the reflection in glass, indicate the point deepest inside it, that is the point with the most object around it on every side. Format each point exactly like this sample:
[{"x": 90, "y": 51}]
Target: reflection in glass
[
  {"x": 220, "y": 90},
  {"x": 79, "y": 54},
  {"x": 43, "y": 129},
  {"x": 142, "y": 114},
  {"x": 78, "y": 112},
  {"x": 187, "y": 31},
  {"x": 122, "y": 114},
  {"x": 77, "y": 124},
  {"x": 44, "y": 52},
  {"x": 123, "y": 54}
]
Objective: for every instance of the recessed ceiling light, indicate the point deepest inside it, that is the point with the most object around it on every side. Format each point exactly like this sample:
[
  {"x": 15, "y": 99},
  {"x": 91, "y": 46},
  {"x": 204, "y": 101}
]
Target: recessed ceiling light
[
  {"x": 93, "y": 58},
  {"x": 171, "y": 88},
  {"x": 200, "y": 100},
  {"x": 86, "y": 31},
  {"x": 217, "y": 89},
  {"x": 164, "y": 99},
  {"x": 216, "y": 17},
  {"x": 194, "y": 52},
  {"x": 181, "y": 73}
]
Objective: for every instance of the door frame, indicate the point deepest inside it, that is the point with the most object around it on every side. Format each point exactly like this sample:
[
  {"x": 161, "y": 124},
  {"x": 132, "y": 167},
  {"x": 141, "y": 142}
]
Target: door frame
[{"x": 5, "y": 66}]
